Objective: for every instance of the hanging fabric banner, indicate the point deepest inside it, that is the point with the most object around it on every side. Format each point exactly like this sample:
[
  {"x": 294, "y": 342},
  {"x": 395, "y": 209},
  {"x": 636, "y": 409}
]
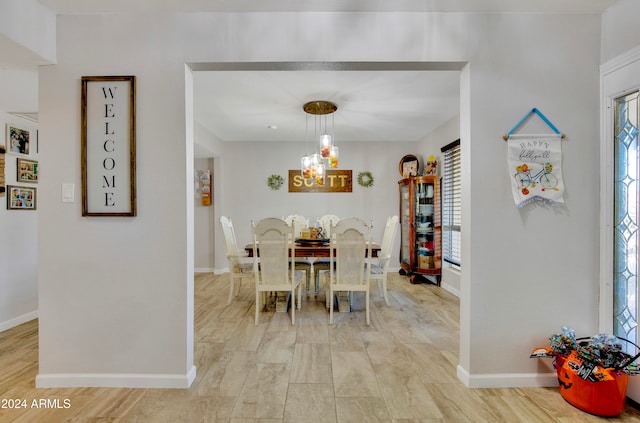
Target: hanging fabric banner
[{"x": 535, "y": 168}]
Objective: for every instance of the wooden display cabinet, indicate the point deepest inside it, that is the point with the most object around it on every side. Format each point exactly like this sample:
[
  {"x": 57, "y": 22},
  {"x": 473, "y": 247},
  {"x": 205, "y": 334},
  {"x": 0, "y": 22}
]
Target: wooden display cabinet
[{"x": 420, "y": 228}]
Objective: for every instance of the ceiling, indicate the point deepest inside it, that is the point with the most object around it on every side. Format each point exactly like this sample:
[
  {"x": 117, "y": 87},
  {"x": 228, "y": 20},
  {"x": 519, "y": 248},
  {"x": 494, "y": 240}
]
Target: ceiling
[
  {"x": 374, "y": 104},
  {"x": 533, "y": 6}
]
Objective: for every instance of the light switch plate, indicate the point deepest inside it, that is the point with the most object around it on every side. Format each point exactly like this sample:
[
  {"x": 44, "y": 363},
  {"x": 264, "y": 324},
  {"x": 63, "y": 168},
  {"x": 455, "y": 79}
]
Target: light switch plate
[{"x": 68, "y": 193}]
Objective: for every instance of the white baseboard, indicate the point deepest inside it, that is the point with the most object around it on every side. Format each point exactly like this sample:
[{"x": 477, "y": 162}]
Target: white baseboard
[
  {"x": 449, "y": 288},
  {"x": 211, "y": 270},
  {"x": 16, "y": 321},
  {"x": 96, "y": 380},
  {"x": 506, "y": 380},
  {"x": 204, "y": 270}
]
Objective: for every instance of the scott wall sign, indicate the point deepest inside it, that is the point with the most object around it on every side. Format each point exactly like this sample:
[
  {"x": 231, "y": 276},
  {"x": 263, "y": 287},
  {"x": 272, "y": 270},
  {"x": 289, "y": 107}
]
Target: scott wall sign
[{"x": 335, "y": 181}]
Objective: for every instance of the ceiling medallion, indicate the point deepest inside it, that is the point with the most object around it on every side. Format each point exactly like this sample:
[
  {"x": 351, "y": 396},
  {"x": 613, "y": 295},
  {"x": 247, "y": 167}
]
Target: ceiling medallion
[{"x": 319, "y": 107}]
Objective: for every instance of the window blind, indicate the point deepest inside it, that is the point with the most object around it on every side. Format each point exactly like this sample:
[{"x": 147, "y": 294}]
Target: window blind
[{"x": 451, "y": 204}]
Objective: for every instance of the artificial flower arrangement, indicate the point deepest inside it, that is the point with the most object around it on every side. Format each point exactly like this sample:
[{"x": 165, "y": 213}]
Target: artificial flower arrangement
[{"x": 432, "y": 166}]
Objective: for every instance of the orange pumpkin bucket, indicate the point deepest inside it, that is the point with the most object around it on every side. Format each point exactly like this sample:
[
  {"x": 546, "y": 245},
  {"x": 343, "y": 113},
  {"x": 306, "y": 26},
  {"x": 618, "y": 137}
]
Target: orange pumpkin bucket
[
  {"x": 604, "y": 397},
  {"x": 592, "y": 372}
]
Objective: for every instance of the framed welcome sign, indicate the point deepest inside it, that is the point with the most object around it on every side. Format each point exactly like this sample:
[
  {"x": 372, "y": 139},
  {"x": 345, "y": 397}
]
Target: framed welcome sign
[{"x": 108, "y": 146}]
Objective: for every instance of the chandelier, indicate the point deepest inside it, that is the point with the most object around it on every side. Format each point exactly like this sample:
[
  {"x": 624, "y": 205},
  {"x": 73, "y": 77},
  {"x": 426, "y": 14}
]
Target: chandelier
[{"x": 313, "y": 166}]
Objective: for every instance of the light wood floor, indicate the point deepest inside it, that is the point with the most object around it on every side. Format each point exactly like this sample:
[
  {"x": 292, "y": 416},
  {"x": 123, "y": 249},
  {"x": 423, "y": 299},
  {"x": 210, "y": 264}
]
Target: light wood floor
[{"x": 402, "y": 368}]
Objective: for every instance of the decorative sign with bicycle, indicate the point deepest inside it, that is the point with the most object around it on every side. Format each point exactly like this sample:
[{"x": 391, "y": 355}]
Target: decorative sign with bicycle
[
  {"x": 535, "y": 165},
  {"x": 545, "y": 177}
]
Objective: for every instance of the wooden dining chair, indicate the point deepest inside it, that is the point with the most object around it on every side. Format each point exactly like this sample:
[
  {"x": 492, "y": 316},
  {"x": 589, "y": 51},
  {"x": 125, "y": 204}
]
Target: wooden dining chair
[
  {"x": 276, "y": 272},
  {"x": 239, "y": 261},
  {"x": 380, "y": 265},
  {"x": 349, "y": 270},
  {"x": 298, "y": 223}
]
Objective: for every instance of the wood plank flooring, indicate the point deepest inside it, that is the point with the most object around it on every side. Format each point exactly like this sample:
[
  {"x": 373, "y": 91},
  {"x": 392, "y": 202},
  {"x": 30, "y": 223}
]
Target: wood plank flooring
[{"x": 402, "y": 368}]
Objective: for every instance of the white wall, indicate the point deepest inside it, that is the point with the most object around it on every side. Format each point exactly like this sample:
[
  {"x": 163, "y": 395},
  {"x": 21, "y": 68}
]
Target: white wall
[
  {"x": 205, "y": 221},
  {"x": 620, "y": 29},
  {"x": 205, "y": 143},
  {"x": 526, "y": 272},
  {"x": 245, "y": 196},
  {"x": 27, "y": 31},
  {"x": 430, "y": 146},
  {"x": 114, "y": 292},
  {"x": 18, "y": 240},
  {"x": 27, "y": 35},
  {"x": 205, "y": 227}
]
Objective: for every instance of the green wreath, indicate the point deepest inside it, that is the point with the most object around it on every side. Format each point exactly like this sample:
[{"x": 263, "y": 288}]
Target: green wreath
[
  {"x": 365, "y": 179},
  {"x": 275, "y": 181}
]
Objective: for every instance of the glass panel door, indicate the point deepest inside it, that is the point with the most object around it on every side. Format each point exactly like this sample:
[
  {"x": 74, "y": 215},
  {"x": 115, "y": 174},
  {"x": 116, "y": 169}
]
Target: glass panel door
[
  {"x": 405, "y": 225},
  {"x": 424, "y": 242},
  {"x": 625, "y": 215}
]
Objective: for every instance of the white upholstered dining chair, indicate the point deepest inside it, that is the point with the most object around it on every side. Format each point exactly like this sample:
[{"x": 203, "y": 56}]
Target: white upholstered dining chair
[
  {"x": 380, "y": 265},
  {"x": 298, "y": 223},
  {"x": 349, "y": 269},
  {"x": 239, "y": 261},
  {"x": 272, "y": 241},
  {"x": 325, "y": 223}
]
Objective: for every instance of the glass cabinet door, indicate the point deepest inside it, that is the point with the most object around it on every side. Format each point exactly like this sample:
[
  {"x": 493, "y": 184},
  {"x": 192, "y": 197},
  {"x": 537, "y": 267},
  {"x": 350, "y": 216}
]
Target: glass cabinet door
[
  {"x": 420, "y": 227},
  {"x": 424, "y": 239},
  {"x": 405, "y": 225}
]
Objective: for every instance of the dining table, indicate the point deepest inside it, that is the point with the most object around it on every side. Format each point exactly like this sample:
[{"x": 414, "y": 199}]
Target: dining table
[{"x": 313, "y": 248}]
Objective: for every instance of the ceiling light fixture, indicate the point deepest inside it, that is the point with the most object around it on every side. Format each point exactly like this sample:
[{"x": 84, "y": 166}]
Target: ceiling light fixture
[{"x": 313, "y": 166}]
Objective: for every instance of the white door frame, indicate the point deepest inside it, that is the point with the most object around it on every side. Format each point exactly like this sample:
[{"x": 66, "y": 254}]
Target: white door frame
[{"x": 618, "y": 76}]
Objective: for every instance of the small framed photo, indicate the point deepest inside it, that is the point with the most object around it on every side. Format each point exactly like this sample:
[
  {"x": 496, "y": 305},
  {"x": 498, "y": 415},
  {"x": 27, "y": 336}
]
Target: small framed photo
[
  {"x": 21, "y": 198},
  {"x": 27, "y": 170},
  {"x": 18, "y": 140},
  {"x": 2, "y": 189}
]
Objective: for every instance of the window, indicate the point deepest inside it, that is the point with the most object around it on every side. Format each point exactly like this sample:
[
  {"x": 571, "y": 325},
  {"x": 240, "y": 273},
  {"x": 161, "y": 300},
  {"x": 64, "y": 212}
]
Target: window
[
  {"x": 626, "y": 216},
  {"x": 451, "y": 205}
]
